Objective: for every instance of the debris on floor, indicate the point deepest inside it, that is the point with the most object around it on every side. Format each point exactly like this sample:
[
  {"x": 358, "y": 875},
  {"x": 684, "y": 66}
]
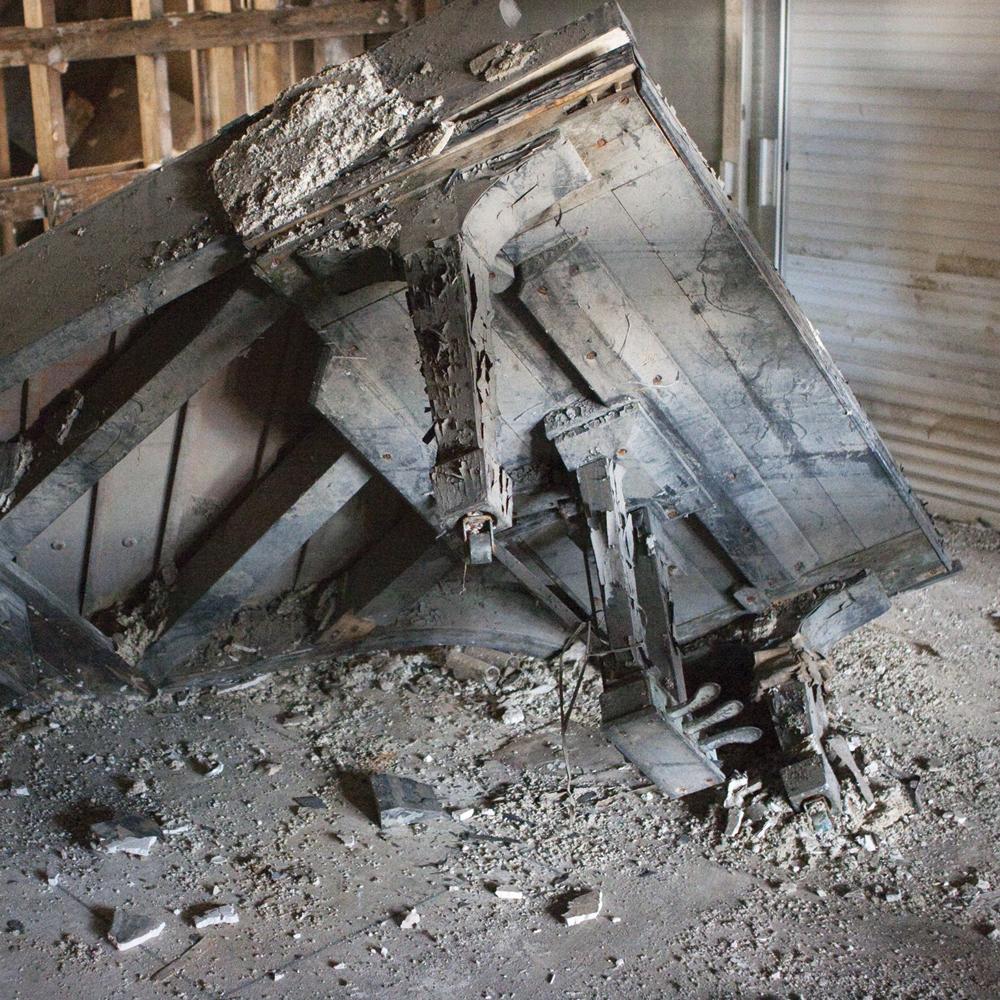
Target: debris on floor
[
  {"x": 900, "y": 901},
  {"x": 130, "y": 930},
  {"x": 403, "y": 801},
  {"x": 584, "y": 907},
  {"x": 226, "y": 914},
  {"x": 133, "y": 834}
]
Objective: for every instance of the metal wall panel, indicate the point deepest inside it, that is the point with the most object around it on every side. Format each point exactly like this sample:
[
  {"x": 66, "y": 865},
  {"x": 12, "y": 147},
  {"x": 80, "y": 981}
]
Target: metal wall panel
[{"x": 892, "y": 229}]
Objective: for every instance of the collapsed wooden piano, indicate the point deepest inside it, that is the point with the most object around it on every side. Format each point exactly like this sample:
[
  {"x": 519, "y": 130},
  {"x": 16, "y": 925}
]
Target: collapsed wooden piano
[{"x": 543, "y": 325}]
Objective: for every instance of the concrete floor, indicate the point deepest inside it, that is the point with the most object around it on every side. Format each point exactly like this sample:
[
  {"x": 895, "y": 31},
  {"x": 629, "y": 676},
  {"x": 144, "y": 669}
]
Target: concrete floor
[{"x": 686, "y": 913}]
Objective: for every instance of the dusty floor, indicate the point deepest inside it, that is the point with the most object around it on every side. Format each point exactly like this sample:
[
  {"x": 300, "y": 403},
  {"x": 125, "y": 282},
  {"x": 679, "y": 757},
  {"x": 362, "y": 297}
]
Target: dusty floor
[{"x": 901, "y": 906}]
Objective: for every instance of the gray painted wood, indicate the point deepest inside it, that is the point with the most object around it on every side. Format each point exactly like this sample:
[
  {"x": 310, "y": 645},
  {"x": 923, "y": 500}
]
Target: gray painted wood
[
  {"x": 304, "y": 490},
  {"x": 71, "y": 647},
  {"x": 121, "y": 259},
  {"x": 152, "y": 378}
]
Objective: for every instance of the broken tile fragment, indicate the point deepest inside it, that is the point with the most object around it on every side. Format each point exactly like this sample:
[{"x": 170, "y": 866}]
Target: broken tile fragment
[
  {"x": 402, "y": 801},
  {"x": 129, "y": 930},
  {"x": 309, "y": 802},
  {"x": 507, "y": 892},
  {"x": 132, "y": 834},
  {"x": 217, "y": 915},
  {"x": 584, "y": 907}
]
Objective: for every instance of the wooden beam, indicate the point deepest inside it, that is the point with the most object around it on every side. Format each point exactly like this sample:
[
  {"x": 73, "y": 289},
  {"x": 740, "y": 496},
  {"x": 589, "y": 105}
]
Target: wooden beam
[
  {"x": 51, "y": 147},
  {"x": 223, "y": 93},
  {"x": 153, "y": 377},
  {"x": 8, "y": 238},
  {"x": 159, "y": 238},
  {"x": 732, "y": 168},
  {"x": 75, "y": 651},
  {"x": 45, "y": 44},
  {"x": 154, "y": 93},
  {"x": 270, "y": 65},
  {"x": 287, "y": 507}
]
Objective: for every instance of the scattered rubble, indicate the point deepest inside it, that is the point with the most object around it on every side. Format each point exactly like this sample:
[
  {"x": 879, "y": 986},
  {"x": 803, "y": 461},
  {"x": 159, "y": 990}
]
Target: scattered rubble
[
  {"x": 779, "y": 899},
  {"x": 507, "y": 892},
  {"x": 501, "y": 61}
]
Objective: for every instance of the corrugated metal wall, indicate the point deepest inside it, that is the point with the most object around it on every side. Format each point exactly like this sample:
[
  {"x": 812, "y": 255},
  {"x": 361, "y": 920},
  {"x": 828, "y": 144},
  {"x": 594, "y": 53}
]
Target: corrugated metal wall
[{"x": 892, "y": 227}]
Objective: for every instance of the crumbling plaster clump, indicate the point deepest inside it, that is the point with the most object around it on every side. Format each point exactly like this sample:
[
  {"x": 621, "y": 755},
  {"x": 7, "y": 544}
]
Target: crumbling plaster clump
[{"x": 312, "y": 135}]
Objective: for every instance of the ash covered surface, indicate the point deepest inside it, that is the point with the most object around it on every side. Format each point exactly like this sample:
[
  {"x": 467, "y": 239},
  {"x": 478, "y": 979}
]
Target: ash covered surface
[
  {"x": 901, "y": 903},
  {"x": 314, "y": 132}
]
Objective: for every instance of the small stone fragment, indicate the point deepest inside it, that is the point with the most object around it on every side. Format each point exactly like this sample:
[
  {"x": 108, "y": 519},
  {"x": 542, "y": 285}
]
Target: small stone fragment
[
  {"x": 463, "y": 815},
  {"x": 217, "y": 915},
  {"x": 134, "y": 835},
  {"x": 129, "y": 930},
  {"x": 584, "y": 907},
  {"x": 507, "y": 892},
  {"x": 410, "y": 921},
  {"x": 309, "y": 802},
  {"x": 513, "y": 715},
  {"x": 500, "y": 61},
  {"x": 464, "y": 666},
  {"x": 403, "y": 801}
]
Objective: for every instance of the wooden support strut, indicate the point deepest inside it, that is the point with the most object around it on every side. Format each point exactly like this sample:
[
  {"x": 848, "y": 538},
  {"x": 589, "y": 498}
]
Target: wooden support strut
[
  {"x": 290, "y": 504},
  {"x": 153, "y": 378},
  {"x": 449, "y": 300},
  {"x": 73, "y": 649}
]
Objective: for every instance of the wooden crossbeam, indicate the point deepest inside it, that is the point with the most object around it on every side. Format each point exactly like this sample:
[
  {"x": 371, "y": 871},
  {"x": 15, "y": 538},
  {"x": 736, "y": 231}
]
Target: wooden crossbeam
[
  {"x": 160, "y": 237},
  {"x": 69, "y": 645},
  {"x": 159, "y": 371},
  {"x": 289, "y": 505},
  {"x": 108, "y": 38}
]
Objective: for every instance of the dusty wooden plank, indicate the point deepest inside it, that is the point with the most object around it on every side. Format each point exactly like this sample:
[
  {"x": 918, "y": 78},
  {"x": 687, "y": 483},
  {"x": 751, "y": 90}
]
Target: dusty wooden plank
[
  {"x": 289, "y": 505},
  {"x": 126, "y": 519},
  {"x": 77, "y": 651},
  {"x": 154, "y": 376},
  {"x": 122, "y": 259},
  {"x": 47, "y": 44},
  {"x": 224, "y": 99},
  {"x": 51, "y": 147},
  {"x": 154, "y": 93},
  {"x": 57, "y": 557},
  {"x": 8, "y": 237},
  {"x": 18, "y": 666},
  {"x": 270, "y": 69}
]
